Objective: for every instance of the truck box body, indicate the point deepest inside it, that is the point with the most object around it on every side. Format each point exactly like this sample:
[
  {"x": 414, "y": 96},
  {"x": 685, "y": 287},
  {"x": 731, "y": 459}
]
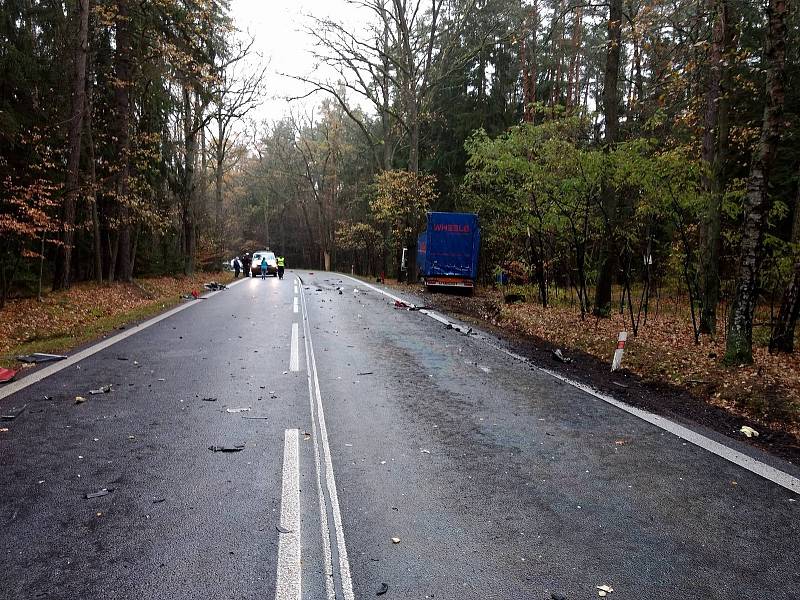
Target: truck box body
[{"x": 447, "y": 251}]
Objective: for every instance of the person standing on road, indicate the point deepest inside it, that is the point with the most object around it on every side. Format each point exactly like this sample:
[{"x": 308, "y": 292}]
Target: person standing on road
[
  {"x": 263, "y": 267},
  {"x": 246, "y": 260},
  {"x": 236, "y": 267},
  {"x": 281, "y": 261}
]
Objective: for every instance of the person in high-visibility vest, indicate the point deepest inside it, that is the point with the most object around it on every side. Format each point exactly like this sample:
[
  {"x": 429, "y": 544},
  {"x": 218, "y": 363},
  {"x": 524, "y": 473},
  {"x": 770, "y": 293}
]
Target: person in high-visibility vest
[{"x": 281, "y": 263}]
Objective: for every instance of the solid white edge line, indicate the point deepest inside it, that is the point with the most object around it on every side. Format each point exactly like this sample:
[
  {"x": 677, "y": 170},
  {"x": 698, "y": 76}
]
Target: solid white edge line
[
  {"x": 740, "y": 459},
  {"x": 330, "y": 480},
  {"x": 323, "y": 513},
  {"x": 287, "y": 582},
  {"x": 37, "y": 376},
  {"x": 294, "y": 356}
]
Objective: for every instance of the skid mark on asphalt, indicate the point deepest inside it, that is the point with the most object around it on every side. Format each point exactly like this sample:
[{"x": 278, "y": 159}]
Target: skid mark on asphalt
[
  {"x": 287, "y": 585},
  {"x": 740, "y": 459}
]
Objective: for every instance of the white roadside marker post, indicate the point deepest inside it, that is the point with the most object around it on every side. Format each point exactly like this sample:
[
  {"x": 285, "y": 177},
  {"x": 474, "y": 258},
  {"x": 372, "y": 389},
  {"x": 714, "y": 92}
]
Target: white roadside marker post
[{"x": 615, "y": 364}]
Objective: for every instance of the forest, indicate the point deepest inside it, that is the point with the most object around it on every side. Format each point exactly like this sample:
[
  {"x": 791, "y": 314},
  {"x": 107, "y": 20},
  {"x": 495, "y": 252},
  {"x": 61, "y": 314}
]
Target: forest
[{"x": 610, "y": 149}]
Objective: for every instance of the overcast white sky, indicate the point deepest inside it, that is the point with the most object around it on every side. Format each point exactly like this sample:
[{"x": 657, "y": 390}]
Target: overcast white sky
[{"x": 277, "y": 27}]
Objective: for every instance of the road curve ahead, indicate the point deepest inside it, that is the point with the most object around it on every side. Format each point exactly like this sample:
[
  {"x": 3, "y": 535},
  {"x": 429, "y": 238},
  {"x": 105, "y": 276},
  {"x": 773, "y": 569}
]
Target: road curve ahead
[{"x": 305, "y": 439}]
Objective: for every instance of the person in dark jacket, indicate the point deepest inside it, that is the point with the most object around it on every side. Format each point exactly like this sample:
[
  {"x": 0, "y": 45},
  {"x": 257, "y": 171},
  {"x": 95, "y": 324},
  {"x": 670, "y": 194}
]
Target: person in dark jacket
[
  {"x": 237, "y": 266},
  {"x": 246, "y": 264}
]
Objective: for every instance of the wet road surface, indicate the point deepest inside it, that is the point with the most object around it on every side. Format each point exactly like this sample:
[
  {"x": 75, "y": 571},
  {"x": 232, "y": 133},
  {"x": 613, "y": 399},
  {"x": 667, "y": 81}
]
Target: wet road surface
[{"x": 379, "y": 447}]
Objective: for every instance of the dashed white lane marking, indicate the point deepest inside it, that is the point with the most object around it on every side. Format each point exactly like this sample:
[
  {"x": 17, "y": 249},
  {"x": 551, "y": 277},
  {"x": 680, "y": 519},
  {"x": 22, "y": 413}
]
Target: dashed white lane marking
[
  {"x": 287, "y": 584},
  {"x": 37, "y": 376},
  {"x": 294, "y": 357},
  {"x": 295, "y": 306},
  {"x": 738, "y": 458},
  {"x": 330, "y": 480}
]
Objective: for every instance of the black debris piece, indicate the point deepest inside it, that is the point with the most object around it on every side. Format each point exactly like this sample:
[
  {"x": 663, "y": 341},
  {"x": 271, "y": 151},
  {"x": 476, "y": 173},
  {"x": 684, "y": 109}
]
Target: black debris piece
[
  {"x": 382, "y": 590},
  {"x": 365, "y": 373},
  {"x": 281, "y": 529},
  {"x": 236, "y": 448},
  {"x": 158, "y": 500},
  {"x": 214, "y": 286},
  {"x": 101, "y": 390},
  {"x": 39, "y": 357},
  {"x": 13, "y": 413},
  {"x": 557, "y": 596},
  {"x": 209, "y": 399}
]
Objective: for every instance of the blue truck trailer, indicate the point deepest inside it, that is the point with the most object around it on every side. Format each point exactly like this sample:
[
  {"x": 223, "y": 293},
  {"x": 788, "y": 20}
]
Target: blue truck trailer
[{"x": 447, "y": 251}]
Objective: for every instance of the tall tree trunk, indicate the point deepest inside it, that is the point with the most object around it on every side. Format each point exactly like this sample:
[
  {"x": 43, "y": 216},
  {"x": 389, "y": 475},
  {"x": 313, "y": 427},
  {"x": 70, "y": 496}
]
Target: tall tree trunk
[
  {"x": 123, "y": 72},
  {"x": 188, "y": 191},
  {"x": 739, "y": 345},
  {"x": 711, "y": 184},
  {"x": 608, "y": 254},
  {"x": 782, "y": 339},
  {"x": 64, "y": 259},
  {"x": 98, "y": 250}
]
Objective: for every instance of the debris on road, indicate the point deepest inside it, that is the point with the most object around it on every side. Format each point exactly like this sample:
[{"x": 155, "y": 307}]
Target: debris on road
[
  {"x": 101, "y": 390},
  {"x": 254, "y": 418},
  {"x": 13, "y": 413},
  {"x": 3, "y": 429},
  {"x": 395, "y": 540},
  {"x": 98, "y": 493},
  {"x": 365, "y": 373},
  {"x": 401, "y": 304},
  {"x": 158, "y": 500},
  {"x": 237, "y": 410},
  {"x": 557, "y": 596},
  {"x": 282, "y": 529},
  {"x": 558, "y": 355},
  {"x": 40, "y": 357},
  {"x": 209, "y": 399},
  {"x": 215, "y": 286},
  {"x": 604, "y": 590},
  {"x": 7, "y": 375},
  {"x": 236, "y": 448},
  {"x": 382, "y": 590},
  {"x": 748, "y": 431},
  {"x": 424, "y": 451}
]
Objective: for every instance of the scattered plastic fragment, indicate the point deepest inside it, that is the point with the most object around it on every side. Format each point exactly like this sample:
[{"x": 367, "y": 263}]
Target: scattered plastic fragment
[
  {"x": 558, "y": 355},
  {"x": 158, "y": 500},
  {"x": 236, "y": 448},
  {"x": 395, "y": 540},
  {"x": 101, "y": 390},
  {"x": 98, "y": 493},
  {"x": 3, "y": 429},
  {"x": 79, "y": 399},
  {"x": 382, "y": 590},
  {"x": 213, "y": 285},
  {"x": 282, "y": 529},
  {"x": 604, "y": 590},
  {"x": 7, "y": 375},
  {"x": 748, "y": 431},
  {"x": 425, "y": 451},
  {"x": 254, "y": 418},
  {"x": 237, "y": 410},
  {"x": 557, "y": 596},
  {"x": 13, "y": 413},
  {"x": 209, "y": 399},
  {"x": 365, "y": 373},
  {"x": 40, "y": 357}
]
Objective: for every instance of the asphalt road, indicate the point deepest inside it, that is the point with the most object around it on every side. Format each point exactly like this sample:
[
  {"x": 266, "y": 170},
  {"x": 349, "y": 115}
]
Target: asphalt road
[{"x": 363, "y": 423}]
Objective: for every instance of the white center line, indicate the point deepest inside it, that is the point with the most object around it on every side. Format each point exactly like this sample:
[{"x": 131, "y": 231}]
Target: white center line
[
  {"x": 295, "y": 308},
  {"x": 287, "y": 585},
  {"x": 294, "y": 357},
  {"x": 320, "y": 430}
]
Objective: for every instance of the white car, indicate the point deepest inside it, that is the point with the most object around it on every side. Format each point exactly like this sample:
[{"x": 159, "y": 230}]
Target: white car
[{"x": 272, "y": 263}]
